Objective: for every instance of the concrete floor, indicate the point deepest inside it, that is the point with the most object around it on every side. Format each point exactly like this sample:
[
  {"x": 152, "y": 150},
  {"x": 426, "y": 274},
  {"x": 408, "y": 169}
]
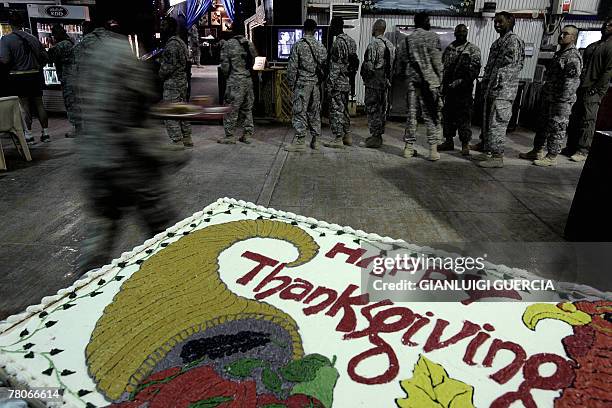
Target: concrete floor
[{"x": 452, "y": 200}]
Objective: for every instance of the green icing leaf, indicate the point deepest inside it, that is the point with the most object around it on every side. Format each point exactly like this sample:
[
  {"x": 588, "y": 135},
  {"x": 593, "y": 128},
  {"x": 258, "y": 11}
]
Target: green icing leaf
[
  {"x": 211, "y": 402},
  {"x": 321, "y": 387},
  {"x": 244, "y": 367},
  {"x": 271, "y": 380},
  {"x": 304, "y": 369}
]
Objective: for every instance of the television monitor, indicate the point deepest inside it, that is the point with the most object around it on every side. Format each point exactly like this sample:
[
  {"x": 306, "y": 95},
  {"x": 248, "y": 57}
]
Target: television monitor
[
  {"x": 587, "y": 37},
  {"x": 286, "y": 37}
]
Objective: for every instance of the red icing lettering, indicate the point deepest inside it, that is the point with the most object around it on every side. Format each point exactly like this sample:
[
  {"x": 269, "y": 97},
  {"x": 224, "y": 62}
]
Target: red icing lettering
[
  {"x": 263, "y": 262},
  {"x": 353, "y": 254},
  {"x": 284, "y": 282},
  {"x": 297, "y": 290},
  {"x": 433, "y": 342},
  {"x": 346, "y": 302},
  {"x": 505, "y": 374}
]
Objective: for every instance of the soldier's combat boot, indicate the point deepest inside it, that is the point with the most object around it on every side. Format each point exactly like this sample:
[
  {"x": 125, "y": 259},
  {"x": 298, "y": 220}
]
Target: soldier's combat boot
[
  {"x": 372, "y": 142},
  {"x": 337, "y": 143},
  {"x": 347, "y": 139},
  {"x": 227, "y": 140},
  {"x": 433, "y": 153},
  {"x": 465, "y": 149},
  {"x": 448, "y": 145},
  {"x": 495, "y": 162},
  {"x": 246, "y": 139},
  {"x": 187, "y": 141},
  {"x": 549, "y": 161},
  {"x": 578, "y": 157},
  {"x": 297, "y": 146},
  {"x": 482, "y": 157},
  {"x": 409, "y": 151},
  {"x": 314, "y": 144},
  {"x": 533, "y": 154}
]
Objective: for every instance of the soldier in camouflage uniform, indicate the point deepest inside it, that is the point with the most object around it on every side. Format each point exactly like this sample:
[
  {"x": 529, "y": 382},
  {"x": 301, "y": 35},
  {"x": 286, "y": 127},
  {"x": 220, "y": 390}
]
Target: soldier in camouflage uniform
[
  {"x": 119, "y": 163},
  {"x": 558, "y": 95},
  {"x": 173, "y": 72},
  {"x": 62, "y": 55},
  {"x": 237, "y": 58},
  {"x": 338, "y": 84},
  {"x": 594, "y": 84},
  {"x": 194, "y": 45},
  {"x": 462, "y": 63},
  {"x": 305, "y": 74},
  {"x": 420, "y": 57},
  {"x": 376, "y": 71},
  {"x": 499, "y": 87},
  {"x": 81, "y": 54}
]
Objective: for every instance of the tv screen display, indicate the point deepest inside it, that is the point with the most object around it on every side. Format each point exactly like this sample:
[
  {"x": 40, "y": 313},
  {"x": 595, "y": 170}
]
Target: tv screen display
[
  {"x": 287, "y": 37},
  {"x": 587, "y": 37}
]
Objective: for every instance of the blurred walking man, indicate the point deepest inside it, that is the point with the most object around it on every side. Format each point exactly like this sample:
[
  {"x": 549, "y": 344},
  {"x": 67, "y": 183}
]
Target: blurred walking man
[
  {"x": 173, "y": 72},
  {"x": 421, "y": 57},
  {"x": 376, "y": 72},
  {"x": 305, "y": 74},
  {"x": 595, "y": 80},
  {"x": 499, "y": 87},
  {"x": 117, "y": 150},
  {"x": 237, "y": 58},
  {"x": 343, "y": 56},
  {"x": 558, "y": 95},
  {"x": 462, "y": 63}
]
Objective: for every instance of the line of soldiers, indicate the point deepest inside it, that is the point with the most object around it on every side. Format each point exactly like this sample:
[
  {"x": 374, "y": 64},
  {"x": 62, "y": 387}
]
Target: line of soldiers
[{"x": 440, "y": 85}]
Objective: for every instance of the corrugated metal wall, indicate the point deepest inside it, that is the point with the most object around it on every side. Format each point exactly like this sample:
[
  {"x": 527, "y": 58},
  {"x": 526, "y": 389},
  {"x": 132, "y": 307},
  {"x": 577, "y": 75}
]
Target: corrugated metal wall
[{"x": 482, "y": 32}]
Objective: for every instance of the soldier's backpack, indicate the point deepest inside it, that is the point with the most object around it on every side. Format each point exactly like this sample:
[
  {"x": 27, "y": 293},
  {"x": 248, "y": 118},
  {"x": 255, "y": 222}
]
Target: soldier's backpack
[{"x": 353, "y": 66}]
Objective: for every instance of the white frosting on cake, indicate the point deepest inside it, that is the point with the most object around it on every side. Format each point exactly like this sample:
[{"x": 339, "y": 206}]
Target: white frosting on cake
[{"x": 29, "y": 372}]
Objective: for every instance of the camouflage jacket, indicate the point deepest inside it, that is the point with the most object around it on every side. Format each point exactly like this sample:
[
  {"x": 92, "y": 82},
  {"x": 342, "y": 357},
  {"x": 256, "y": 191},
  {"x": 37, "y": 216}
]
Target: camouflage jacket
[
  {"x": 62, "y": 55},
  {"x": 562, "y": 77},
  {"x": 303, "y": 63},
  {"x": 461, "y": 63},
  {"x": 173, "y": 63},
  {"x": 339, "y": 63},
  {"x": 115, "y": 108},
  {"x": 506, "y": 60},
  {"x": 194, "y": 36},
  {"x": 82, "y": 54},
  {"x": 420, "y": 57},
  {"x": 233, "y": 58},
  {"x": 374, "y": 68}
]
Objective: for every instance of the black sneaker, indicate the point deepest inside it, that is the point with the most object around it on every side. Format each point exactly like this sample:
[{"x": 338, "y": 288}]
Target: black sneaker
[
  {"x": 45, "y": 138},
  {"x": 30, "y": 140}
]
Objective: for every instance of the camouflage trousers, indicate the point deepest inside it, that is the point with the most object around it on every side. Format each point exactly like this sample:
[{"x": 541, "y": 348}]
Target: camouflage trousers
[
  {"x": 307, "y": 111},
  {"x": 582, "y": 122},
  {"x": 239, "y": 94},
  {"x": 497, "y": 115},
  {"x": 177, "y": 129},
  {"x": 554, "y": 121},
  {"x": 338, "y": 113},
  {"x": 429, "y": 102},
  {"x": 112, "y": 195},
  {"x": 457, "y": 114},
  {"x": 70, "y": 103},
  {"x": 196, "y": 55},
  {"x": 376, "y": 107}
]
